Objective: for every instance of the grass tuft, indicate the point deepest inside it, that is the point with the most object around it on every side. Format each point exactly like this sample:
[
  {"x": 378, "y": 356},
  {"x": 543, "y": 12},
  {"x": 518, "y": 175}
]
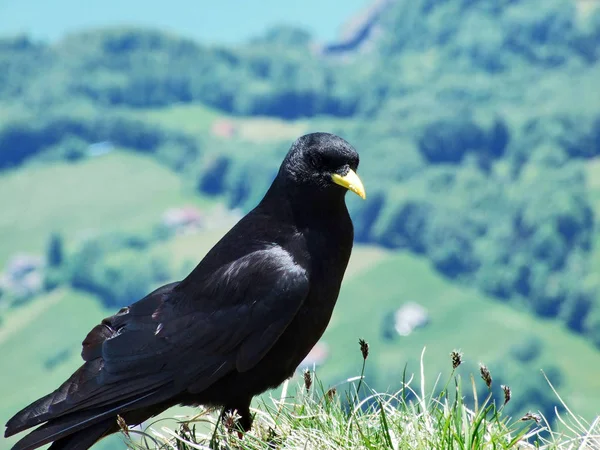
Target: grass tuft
[{"x": 319, "y": 418}]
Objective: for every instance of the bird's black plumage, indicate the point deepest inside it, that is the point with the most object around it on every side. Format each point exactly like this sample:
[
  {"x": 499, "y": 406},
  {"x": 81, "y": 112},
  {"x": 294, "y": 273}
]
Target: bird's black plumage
[{"x": 237, "y": 325}]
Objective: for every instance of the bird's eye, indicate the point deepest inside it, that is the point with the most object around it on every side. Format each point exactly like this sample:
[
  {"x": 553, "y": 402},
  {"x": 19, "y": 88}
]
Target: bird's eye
[{"x": 343, "y": 170}]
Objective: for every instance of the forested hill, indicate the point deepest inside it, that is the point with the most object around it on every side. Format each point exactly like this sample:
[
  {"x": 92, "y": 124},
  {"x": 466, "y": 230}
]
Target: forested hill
[{"x": 478, "y": 123}]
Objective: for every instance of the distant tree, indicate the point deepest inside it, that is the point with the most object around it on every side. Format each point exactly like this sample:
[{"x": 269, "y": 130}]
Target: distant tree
[
  {"x": 84, "y": 266},
  {"x": 160, "y": 270},
  {"x": 365, "y": 215},
  {"x": 447, "y": 141},
  {"x": 286, "y": 36},
  {"x": 407, "y": 226},
  {"x": 592, "y": 325},
  {"x": 55, "y": 273},
  {"x": 125, "y": 281},
  {"x": 212, "y": 177},
  {"x": 239, "y": 190},
  {"x": 527, "y": 349},
  {"x": 55, "y": 252},
  {"x": 575, "y": 310}
]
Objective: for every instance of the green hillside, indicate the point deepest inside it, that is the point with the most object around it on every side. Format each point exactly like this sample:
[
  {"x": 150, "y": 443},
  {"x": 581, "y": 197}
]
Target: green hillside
[
  {"x": 478, "y": 126},
  {"x": 117, "y": 191},
  {"x": 471, "y": 142},
  {"x": 40, "y": 345},
  {"x": 460, "y": 318}
]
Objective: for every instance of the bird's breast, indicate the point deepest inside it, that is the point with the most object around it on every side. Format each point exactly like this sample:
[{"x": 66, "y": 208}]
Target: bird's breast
[{"x": 329, "y": 254}]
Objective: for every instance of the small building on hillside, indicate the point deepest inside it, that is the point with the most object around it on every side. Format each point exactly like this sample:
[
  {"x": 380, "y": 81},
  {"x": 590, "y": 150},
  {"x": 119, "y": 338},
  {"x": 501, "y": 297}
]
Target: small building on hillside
[
  {"x": 224, "y": 128},
  {"x": 404, "y": 320},
  {"x": 23, "y": 275},
  {"x": 183, "y": 220},
  {"x": 316, "y": 357}
]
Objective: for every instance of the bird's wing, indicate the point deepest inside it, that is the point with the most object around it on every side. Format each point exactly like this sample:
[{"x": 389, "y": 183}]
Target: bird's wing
[
  {"x": 238, "y": 312},
  {"x": 174, "y": 338},
  {"x": 227, "y": 320}
]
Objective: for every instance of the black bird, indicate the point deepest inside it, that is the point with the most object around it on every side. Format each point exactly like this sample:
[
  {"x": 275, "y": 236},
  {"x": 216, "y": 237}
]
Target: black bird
[{"x": 239, "y": 324}]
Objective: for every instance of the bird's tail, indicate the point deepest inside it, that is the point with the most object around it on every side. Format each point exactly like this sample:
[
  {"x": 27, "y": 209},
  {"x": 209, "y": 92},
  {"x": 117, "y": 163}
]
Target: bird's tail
[
  {"x": 73, "y": 431},
  {"x": 84, "y": 439},
  {"x": 89, "y": 426}
]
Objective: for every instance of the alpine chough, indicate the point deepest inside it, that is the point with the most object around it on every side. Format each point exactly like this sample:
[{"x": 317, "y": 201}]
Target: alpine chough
[{"x": 240, "y": 323}]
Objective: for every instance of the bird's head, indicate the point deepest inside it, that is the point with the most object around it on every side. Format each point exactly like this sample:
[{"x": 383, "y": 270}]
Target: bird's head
[{"x": 324, "y": 162}]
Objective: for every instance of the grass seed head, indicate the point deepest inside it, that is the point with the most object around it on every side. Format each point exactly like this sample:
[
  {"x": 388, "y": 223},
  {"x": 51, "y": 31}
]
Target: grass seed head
[
  {"x": 123, "y": 425},
  {"x": 331, "y": 393},
  {"x": 230, "y": 420},
  {"x": 486, "y": 375},
  {"x": 507, "y": 393},
  {"x": 364, "y": 348},
  {"x": 307, "y": 379},
  {"x": 456, "y": 358}
]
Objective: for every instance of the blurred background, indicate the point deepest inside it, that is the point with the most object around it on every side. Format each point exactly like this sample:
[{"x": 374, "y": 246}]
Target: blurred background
[{"x": 134, "y": 134}]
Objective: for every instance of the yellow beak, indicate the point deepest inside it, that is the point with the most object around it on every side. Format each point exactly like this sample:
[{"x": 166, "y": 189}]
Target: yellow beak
[{"x": 351, "y": 182}]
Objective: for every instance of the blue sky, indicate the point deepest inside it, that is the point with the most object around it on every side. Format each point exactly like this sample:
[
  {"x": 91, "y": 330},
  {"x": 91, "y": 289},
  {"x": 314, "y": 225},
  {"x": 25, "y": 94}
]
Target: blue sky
[{"x": 225, "y": 21}]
